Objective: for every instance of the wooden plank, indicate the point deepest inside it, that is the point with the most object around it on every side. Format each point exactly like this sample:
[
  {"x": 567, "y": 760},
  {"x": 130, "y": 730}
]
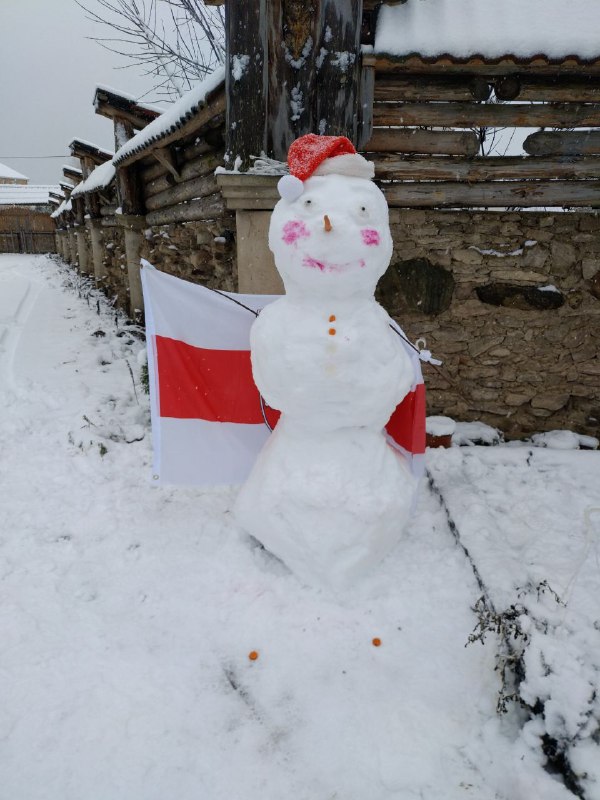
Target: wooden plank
[
  {"x": 499, "y": 194},
  {"x": 440, "y": 168},
  {"x": 561, "y": 91},
  {"x": 477, "y": 65},
  {"x": 129, "y": 187},
  {"x": 193, "y": 169},
  {"x": 551, "y": 143},
  {"x": 210, "y": 207},
  {"x": 454, "y": 143},
  {"x": 487, "y": 115},
  {"x": 199, "y": 187}
]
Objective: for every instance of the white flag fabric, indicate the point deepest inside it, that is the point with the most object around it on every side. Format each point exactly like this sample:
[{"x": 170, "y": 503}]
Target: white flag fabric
[{"x": 208, "y": 422}]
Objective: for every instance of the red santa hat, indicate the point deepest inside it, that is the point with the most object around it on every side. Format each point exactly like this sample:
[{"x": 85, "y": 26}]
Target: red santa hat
[{"x": 321, "y": 155}]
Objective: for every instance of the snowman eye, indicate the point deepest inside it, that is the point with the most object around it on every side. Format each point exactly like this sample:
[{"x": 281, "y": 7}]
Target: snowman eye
[{"x": 308, "y": 203}]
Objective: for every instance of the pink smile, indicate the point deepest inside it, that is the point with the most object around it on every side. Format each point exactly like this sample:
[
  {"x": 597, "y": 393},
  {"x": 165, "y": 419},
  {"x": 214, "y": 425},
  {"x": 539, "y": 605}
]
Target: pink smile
[{"x": 326, "y": 266}]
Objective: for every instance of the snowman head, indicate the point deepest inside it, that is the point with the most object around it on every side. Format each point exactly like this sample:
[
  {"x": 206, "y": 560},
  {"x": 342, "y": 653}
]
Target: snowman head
[{"x": 330, "y": 232}]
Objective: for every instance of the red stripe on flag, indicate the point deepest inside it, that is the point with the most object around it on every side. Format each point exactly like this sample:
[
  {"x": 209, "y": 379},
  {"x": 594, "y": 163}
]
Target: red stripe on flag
[
  {"x": 217, "y": 386},
  {"x": 407, "y": 424},
  {"x": 214, "y": 385}
]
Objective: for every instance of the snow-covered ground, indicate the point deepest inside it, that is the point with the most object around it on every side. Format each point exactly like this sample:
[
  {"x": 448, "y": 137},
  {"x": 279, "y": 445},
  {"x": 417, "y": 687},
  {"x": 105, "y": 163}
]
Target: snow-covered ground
[{"x": 128, "y": 612}]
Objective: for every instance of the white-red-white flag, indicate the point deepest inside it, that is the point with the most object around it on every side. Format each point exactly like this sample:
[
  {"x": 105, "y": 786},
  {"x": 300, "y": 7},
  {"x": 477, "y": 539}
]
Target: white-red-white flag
[{"x": 208, "y": 424}]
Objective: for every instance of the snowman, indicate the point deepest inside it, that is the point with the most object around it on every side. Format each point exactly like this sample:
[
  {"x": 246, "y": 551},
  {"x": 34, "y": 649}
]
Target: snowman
[{"x": 328, "y": 494}]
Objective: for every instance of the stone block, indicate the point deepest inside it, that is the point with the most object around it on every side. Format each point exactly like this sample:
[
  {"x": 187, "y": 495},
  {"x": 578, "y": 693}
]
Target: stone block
[
  {"x": 550, "y": 402},
  {"x": 516, "y": 398},
  {"x": 589, "y": 222},
  {"x": 563, "y": 258},
  {"x": 535, "y": 257},
  {"x": 589, "y": 267},
  {"x": 466, "y": 256}
]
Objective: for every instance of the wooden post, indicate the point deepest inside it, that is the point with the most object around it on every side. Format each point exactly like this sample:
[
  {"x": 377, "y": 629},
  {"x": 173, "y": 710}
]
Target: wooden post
[
  {"x": 292, "y": 68},
  {"x": 245, "y": 81},
  {"x": 338, "y": 74}
]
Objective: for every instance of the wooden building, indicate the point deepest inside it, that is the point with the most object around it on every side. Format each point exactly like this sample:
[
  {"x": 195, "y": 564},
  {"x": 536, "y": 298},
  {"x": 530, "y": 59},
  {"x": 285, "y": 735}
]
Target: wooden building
[{"x": 24, "y": 223}]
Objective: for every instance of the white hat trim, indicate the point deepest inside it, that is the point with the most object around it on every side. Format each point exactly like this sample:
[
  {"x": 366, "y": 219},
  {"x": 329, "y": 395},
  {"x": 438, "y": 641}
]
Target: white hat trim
[{"x": 350, "y": 164}]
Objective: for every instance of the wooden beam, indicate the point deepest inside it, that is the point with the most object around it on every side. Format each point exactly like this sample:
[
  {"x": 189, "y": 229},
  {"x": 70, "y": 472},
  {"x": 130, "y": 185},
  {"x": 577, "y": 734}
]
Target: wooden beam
[
  {"x": 523, "y": 194},
  {"x": 165, "y": 157},
  {"x": 439, "y": 168},
  {"x": 454, "y": 143},
  {"x": 199, "y": 187},
  {"x": 551, "y": 143},
  {"x": 400, "y": 88},
  {"x": 489, "y": 115},
  {"x": 479, "y": 66},
  {"x": 205, "y": 165},
  {"x": 205, "y": 116},
  {"x": 210, "y": 207},
  {"x": 130, "y": 191},
  {"x": 461, "y": 88}
]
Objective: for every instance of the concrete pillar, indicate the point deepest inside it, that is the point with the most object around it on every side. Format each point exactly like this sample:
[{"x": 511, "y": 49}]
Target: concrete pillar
[
  {"x": 82, "y": 251},
  {"x": 72, "y": 247},
  {"x": 257, "y": 273},
  {"x": 94, "y": 226},
  {"x": 133, "y": 227}
]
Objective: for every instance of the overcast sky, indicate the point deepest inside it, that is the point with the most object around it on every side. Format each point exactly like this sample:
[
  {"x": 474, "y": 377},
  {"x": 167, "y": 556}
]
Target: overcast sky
[{"x": 48, "y": 73}]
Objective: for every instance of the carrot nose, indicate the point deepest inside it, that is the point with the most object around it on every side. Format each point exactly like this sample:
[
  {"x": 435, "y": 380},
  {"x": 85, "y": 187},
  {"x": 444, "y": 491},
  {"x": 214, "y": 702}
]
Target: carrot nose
[{"x": 327, "y": 223}]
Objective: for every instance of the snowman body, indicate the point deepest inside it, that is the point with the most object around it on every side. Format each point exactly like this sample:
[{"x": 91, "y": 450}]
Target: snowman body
[{"x": 328, "y": 494}]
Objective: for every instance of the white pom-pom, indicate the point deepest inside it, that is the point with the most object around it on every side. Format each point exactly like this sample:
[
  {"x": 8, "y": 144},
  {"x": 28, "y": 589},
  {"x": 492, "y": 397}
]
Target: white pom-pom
[{"x": 290, "y": 188}]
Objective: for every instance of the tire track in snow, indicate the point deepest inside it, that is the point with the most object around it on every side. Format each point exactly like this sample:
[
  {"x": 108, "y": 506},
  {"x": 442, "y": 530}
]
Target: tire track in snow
[{"x": 15, "y": 324}]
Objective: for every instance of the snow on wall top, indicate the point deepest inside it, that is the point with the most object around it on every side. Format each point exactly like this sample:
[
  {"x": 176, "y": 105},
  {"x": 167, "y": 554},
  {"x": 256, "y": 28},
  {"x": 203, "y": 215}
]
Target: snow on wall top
[
  {"x": 15, "y": 195},
  {"x": 8, "y": 172},
  {"x": 464, "y": 28},
  {"x": 99, "y": 178},
  {"x": 174, "y": 117}
]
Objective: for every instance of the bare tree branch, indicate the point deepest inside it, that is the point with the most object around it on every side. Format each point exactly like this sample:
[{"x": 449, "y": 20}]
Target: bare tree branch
[{"x": 178, "y": 42}]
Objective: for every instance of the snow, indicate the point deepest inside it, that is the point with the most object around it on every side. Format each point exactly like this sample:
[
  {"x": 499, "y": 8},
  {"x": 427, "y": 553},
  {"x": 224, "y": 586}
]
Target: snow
[
  {"x": 128, "y": 612},
  {"x": 98, "y": 179},
  {"x": 463, "y": 28},
  {"x": 471, "y": 433},
  {"x": 12, "y": 174},
  {"x": 24, "y": 195},
  {"x": 173, "y": 117},
  {"x": 440, "y": 426}
]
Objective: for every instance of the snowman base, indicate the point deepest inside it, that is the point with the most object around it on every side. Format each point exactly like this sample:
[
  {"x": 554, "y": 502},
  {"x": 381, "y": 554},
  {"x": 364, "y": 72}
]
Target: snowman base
[{"x": 331, "y": 506}]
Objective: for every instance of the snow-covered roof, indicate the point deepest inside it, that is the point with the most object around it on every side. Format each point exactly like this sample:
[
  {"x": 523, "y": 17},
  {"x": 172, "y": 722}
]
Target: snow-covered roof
[
  {"x": 117, "y": 97},
  {"x": 174, "y": 117},
  {"x": 66, "y": 205},
  {"x": 15, "y": 195},
  {"x": 8, "y": 172},
  {"x": 461, "y": 29},
  {"x": 89, "y": 147},
  {"x": 99, "y": 178}
]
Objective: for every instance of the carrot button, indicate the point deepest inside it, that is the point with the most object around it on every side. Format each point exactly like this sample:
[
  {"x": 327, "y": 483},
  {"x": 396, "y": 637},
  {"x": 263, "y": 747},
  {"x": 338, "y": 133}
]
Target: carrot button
[
  {"x": 332, "y": 331},
  {"x": 253, "y": 655},
  {"x": 332, "y": 318},
  {"x": 376, "y": 642}
]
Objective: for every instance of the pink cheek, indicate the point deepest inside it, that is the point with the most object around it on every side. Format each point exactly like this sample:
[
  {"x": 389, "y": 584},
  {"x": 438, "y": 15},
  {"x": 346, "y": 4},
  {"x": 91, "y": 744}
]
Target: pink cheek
[
  {"x": 294, "y": 230},
  {"x": 370, "y": 236}
]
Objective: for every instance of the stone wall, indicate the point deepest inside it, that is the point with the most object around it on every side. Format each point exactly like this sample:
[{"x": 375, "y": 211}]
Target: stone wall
[
  {"x": 114, "y": 281},
  {"x": 511, "y": 303},
  {"x": 201, "y": 252}
]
